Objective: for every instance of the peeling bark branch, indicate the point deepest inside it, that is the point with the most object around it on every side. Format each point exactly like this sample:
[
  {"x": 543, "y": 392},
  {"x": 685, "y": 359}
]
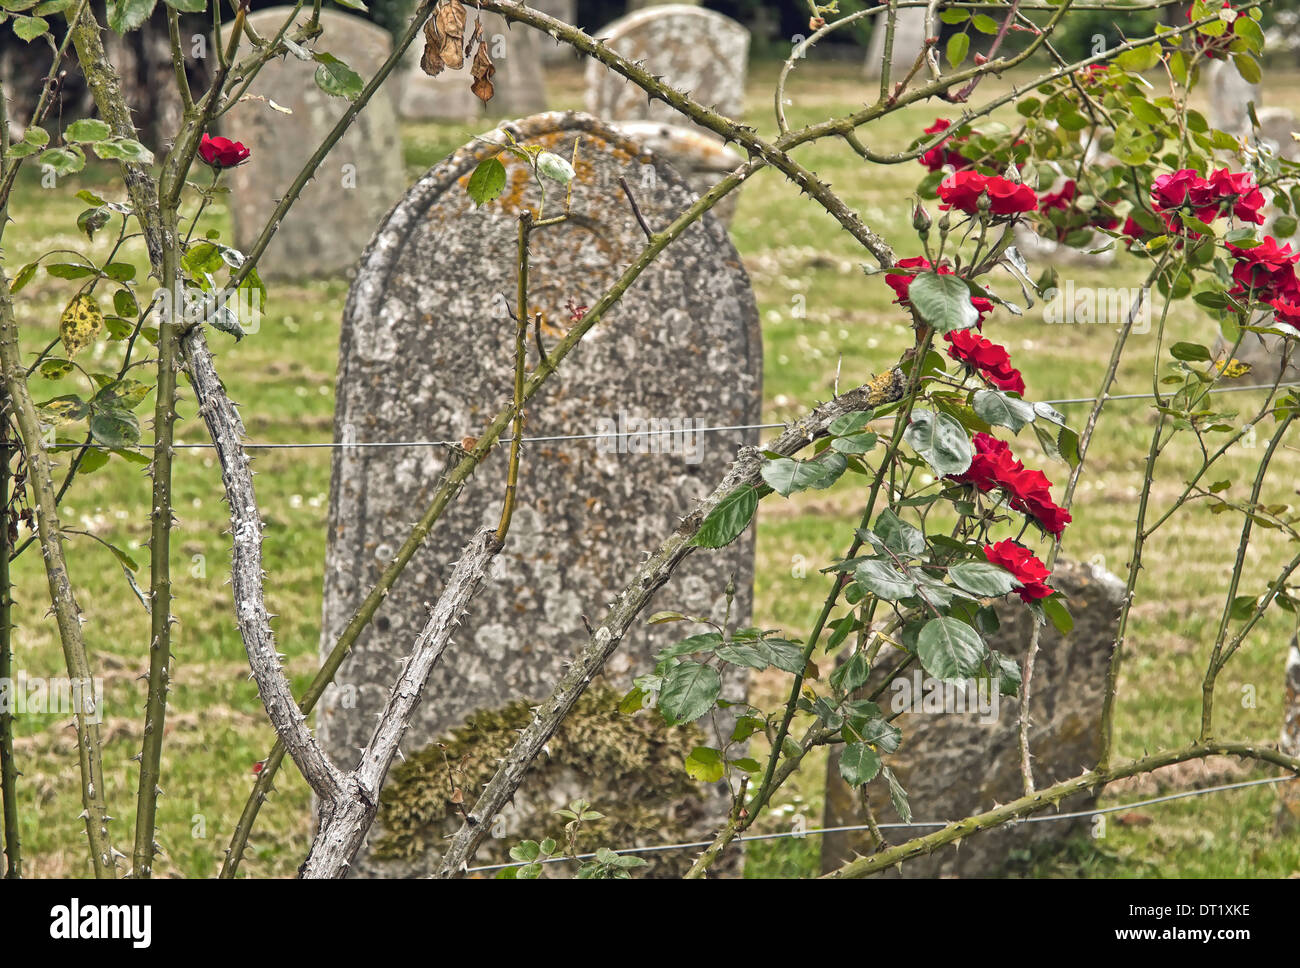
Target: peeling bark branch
[
  {"x": 652, "y": 575},
  {"x": 345, "y": 822}
]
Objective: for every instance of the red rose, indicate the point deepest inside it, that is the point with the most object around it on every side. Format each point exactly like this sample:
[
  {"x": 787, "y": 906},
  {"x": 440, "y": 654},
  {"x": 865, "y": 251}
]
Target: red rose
[
  {"x": 943, "y": 153},
  {"x": 1266, "y": 270},
  {"x": 900, "y": 282},
  {"x": 1021, "y": 562},
  {"x": 258, "y": 767},
  {"x": 963, "y": 189},
  {"x": 222, "y": 152},
  {"x": 1247, "y": 199},
  {"x": 992, "y": 361},
  {"x": 993, "y": 466}
]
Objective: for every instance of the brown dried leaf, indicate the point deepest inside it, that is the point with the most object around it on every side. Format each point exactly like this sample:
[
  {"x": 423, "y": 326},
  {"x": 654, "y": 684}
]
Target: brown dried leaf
[
  {"x": 431, "y": 63},
  {"x": 449, "y": 27},
  {"x": 482, "y": 70}
]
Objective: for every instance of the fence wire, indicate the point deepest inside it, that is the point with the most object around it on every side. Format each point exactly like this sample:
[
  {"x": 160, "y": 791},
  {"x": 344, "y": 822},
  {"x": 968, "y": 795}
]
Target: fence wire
[
  {"x": 926, "y": 824},
  {"x": 618, "y": 435}
]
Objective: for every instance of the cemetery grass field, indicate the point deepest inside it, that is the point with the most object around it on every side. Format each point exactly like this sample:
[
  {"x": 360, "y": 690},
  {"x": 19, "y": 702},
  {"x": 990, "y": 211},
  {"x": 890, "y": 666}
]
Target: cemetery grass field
[{"x": 283, "y": 377}]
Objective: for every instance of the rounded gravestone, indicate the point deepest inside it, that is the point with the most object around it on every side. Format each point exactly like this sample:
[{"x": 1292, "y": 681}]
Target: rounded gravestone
[
  {"x": 426, "y": 352},
  {"x": 356, "y": 183},
  {"x": 699, "y": 52}
]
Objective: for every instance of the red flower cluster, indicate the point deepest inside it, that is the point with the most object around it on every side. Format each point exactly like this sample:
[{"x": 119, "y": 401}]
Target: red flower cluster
[
  {"x": 1267, "y": 272},
  {"x": 994, "y": 466},
  {"x": 989, "y": 359},
  {"x": 1021, "y": 562},
  {"x": 1214, "y": 47},
  {"x": 222, "y": 152},
  {"x": 1072, "y": 217},
  {"x": 963, "y": 189},
  {"x": 900, "y": 282},
  {"x": 943, "y": 153},
  {"x": 1208, "y": 198}
]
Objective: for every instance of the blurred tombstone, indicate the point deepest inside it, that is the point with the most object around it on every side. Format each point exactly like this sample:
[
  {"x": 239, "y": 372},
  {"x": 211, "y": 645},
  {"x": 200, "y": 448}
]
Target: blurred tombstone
[
  {"x": 427, "y": 351},
  {"x": 954, "y": 764},
  {"x": 551, "y": 51},
  {"x": 1230, "y": 97},
  {"x": 909, "y": 39},
  {"x": 696, "y": 51},
  {"x": 356, "y": 183},
  {"x": 520, "y": 88}
]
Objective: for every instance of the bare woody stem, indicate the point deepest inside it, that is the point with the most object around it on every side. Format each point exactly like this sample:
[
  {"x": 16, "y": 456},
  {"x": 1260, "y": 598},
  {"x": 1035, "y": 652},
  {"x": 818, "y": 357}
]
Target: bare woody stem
[
  {"x": 521, "y": 357},
  {"x": 8, "y": 767},
  {"x": 67, "y": 614}
]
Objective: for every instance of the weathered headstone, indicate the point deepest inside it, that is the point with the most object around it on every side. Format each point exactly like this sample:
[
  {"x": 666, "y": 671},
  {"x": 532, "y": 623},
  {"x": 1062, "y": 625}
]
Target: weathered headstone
[
  {"x": 426, "y": 352},
  {"x": 953, "y": 764},
  {"x": 696, "y": 51},
  {"x": 1230, "y": 97},
  {"x": 356, "y": 183},
  {"x": 516, "y": 50},
  {"x": 909, "y": 37},
  {"x": 566, "y": 10}
]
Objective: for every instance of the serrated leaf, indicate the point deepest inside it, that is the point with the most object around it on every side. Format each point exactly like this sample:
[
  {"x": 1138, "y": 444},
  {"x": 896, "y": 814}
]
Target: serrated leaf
[
  {"x": 335, "y": 78},
  {"x": 958, "y": 48},
  {"x": 942, "y": 302},
  {"x": 1054, "y": 608},
  {"x": 728, "y": 520},
  {"x": 941, "y": 441},
  {"x": 898, "y": 535},
  {"x": 488, "y": 181},
  {"x": 983, "y": 578},
  {"x": 950, "y": 649},
  {"x": 80, "y": 323},
  {"x": 29, "y": 28},
  {"x": 115, "y": 428},
  {"x": 898, "y": 795},
  {"x": 884, "y": 580},
  {"x": 787, "y": 476},
  {"x": 705, "y": 764},
  {"x": 690, "y": 689},
  {"x": 87, "y": 130},
  {"x": 849, "y": 423},
  {"x": 1002, "y": 410},
  {"x": 124, "y": 15},
  {"x": 859, "y": 763},
  {"x": 123, "y": 149}
]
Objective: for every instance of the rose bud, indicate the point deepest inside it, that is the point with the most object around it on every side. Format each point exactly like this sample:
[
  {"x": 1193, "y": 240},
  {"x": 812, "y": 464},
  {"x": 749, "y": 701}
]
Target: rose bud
[{"x": 222, "y": 152}]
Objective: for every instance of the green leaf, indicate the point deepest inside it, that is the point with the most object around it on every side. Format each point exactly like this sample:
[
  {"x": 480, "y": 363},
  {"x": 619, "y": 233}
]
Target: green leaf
[
  {"x": 1002, "y": 410},
  {"x": 942, "y": 302},
  {"x": 941, "y": 440},
  {"x": 34, "y": 139},
  {"x": 188, "y": 6},
  {"x": 882, "y": 734},
  {"x": 123, "y": 149},
  {"x": 985, "y": 24},
  {"x": 1190, "y": 352},
  {"x": 958, "y": 48},
  {"x": 883, "y": 580},
  {"x": 786, "y": 476},
  {"x": 25, "y": 275},
  {"x": 852, "y": 674},
  {"x": 335, "y": 78},
  {"x": 527, "y": 851},
  {"x": 115, "y": 428},
  {"x": 690, "y": 689},
  {"x": 726, "y": 521},
  {"x": 353, "y": 5},
  {"x": 124, "y": 15},
  {"x": 1007, "y": 671},
  {"x": 1054, "y": 608},
  {"x": 488, "y": 181},
  {"x": 983, "y": 578},
  {"x": 898, "y": 795},
  {"x": 87, "y": 129},
  {"x": 64, "y": 161},
  {"x": 29, "y": 28},
  {"x": 849, "y": 423},
  {"x": 1247, "y": 67},
  {"x": 92, "y": 220},
  {"x": 705, "y": 764},
  {"x": 854, "y": 443},
  {"x": 859, "y": 763},
  {"x": 950, "y": 649},
  {"x": 898, "y": 535}
]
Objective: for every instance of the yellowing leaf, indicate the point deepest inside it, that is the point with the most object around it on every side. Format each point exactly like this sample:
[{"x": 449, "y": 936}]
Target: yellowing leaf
[
  {"x": 1233, "y": 368},
  {"x": 80, "y": 323}
]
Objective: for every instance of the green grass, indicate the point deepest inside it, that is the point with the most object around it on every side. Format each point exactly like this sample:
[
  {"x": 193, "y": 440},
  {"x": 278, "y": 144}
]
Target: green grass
[{"x": 798, "y": 260}]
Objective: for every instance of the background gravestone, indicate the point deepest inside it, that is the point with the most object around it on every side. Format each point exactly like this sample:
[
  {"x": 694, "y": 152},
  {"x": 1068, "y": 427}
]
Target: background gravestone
[
  {"x": 952, "y": 766},
  {"x": 697, "y": 51},
  {"x": 909, "y": 37},
  {"x": 566, "y": 10},
  {"x": 426, "y": 352},
  {"x": 520, "y": 87},
  {"x": 357, "y": 182}
]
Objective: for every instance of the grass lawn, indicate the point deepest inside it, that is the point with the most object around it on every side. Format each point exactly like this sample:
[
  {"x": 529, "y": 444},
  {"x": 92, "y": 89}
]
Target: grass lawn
[{"x": 797, "y": 258}]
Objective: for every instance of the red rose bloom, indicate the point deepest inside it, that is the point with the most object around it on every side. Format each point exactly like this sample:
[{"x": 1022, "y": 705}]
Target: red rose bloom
[
  {"x": 963, "y": 189},
  {"x": 1267, "y": 270},
  {"x": 1021, "y": 562},
  {"x": 989, "y": 359},
  {"x": 943, "y": 153},
  {"x": 1247, "y": 199},
  {"x": 993, "y": 466},
  {"x": 222, "y": 152},
  {"x": 900, "y": 282}
]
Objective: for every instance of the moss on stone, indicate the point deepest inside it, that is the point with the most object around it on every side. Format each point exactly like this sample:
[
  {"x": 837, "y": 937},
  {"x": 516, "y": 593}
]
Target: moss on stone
[{"x": 628, "y": 767}]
